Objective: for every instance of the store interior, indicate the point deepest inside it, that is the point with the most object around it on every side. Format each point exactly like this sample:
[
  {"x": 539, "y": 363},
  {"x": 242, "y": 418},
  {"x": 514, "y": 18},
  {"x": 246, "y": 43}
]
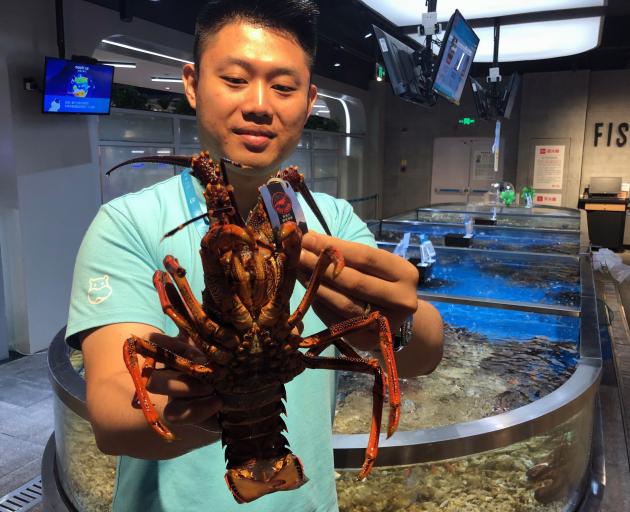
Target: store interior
[{"x": 504, "y": 178}]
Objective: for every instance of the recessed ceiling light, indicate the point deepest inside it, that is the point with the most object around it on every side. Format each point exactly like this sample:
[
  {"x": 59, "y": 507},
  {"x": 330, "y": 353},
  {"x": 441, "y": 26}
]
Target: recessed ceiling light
[
  {"x": 168, "y": 79},
  {"x": 539, "y": 40},
  {"x": 129, "y": 65},
  {"x": 337, "y": 64},
  {"x": 167, "y": 88},
  {"x": 409, "y": 12},
  {"x": 142, "y": 50},
  {"x": 368, "y": 35}
]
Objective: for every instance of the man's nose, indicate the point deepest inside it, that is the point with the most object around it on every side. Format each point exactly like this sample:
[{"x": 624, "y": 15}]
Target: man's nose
[{"x": 258, "y": 102}]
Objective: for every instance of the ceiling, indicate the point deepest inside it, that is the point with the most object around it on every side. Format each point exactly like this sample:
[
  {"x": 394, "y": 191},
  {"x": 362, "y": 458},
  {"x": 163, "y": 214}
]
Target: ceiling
[{"x": 342, "y": 29}]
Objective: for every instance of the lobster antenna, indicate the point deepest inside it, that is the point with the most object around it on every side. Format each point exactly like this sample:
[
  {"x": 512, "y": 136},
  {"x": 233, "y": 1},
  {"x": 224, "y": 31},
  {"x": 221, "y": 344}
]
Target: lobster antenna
[
  {"x": 182, "y": 161},
  {"x": 212, "y": 213},
  {"x": 182, "y": 226},
  {"x": 310, "y": 200}
]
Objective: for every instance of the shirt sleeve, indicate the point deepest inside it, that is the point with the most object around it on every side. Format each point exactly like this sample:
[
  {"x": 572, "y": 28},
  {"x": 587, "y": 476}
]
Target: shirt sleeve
[
  {"x": 343, "y": 222},
  {"x": 112, "y": 280}
]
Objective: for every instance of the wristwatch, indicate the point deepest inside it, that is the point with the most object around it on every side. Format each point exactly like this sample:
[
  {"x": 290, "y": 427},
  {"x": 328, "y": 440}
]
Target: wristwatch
[{"x": 402, "y": 338}]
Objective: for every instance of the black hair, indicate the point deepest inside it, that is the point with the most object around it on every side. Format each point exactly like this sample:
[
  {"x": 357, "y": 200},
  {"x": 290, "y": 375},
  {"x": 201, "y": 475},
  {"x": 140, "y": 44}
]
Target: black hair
[{"x": 297, "y": 18}]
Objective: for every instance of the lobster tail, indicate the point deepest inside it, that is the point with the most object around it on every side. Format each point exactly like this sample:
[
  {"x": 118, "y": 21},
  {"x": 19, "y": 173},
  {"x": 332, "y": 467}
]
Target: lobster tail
[
  {"x": 258, "y": 477},
  {"x": 259, "y": 461}
]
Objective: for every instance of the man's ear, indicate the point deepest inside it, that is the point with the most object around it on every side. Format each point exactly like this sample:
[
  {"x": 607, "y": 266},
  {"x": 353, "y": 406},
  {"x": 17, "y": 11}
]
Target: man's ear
[
  {"x": 189, "y": 77},
  {"x": 312, "y": 98}
]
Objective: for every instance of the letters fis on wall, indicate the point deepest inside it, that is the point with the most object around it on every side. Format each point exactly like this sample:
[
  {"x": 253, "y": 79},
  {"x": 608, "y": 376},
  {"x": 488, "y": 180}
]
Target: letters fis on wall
[{"x": 611, "y": 133}]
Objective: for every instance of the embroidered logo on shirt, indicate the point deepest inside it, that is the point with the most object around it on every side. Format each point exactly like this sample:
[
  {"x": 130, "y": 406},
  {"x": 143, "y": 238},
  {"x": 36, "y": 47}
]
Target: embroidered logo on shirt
[{"x": 99, "y": 290}]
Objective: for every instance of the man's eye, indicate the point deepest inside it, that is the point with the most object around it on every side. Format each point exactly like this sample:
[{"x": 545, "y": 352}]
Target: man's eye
[
  {"x": 234, "y": 80},
  {"x": 284, "y": 88}
]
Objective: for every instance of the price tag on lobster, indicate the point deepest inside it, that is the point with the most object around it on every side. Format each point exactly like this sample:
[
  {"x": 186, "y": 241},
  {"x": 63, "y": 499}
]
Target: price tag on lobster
[{"x": 282, "y": 204}]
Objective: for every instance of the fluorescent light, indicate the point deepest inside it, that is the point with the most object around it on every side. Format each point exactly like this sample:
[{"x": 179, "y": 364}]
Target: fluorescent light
[
  {"x": 323, "y": 112},
  {"x": 129, "y": 65},
  {"x": 137, "y": 151},
  {"x": 142, "y": 50},
  {"x": 168, "y": 79},
  {"x": 540, "y": 40},
  {"x": 368, "y": 35},
  {"x": 337, "y": 64},
  {"x": 409, "y": 12},
  {"x": 163, "y": 151},
  {"x": 347, "y": 114}
]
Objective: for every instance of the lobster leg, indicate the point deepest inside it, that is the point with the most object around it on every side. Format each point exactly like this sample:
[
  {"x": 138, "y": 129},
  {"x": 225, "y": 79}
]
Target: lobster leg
[
  {"x": 326, "y": 257},
  {"x": 174, "y": 307},
  {"x": 201, "y": 322},
  {"x": 136, "y": 345},
  {"x": 378, "y": 394},
  {"x": 288, "y": 259},
  {"x": 318, "y": 342}
]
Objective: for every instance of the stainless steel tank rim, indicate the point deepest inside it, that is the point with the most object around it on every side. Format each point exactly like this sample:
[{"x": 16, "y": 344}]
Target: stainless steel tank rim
[
  {"x": 500, "y": 252},
  {"x": 478, "y": 436},
  {"x": 489, "y": 227},
  {"x": 503, "y": 304},
  {"x": 502, "y": 209}
]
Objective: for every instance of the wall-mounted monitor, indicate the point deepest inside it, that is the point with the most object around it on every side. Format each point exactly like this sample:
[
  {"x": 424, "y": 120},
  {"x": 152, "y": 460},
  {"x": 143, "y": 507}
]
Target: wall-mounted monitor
[
  {"x": 457, "y": 53},
  {"x": 404, "y": 68},
  {"x": 73, "y": 87},
  {"x": 508, "y": 97},
  {"x": 480, "y": 98}
]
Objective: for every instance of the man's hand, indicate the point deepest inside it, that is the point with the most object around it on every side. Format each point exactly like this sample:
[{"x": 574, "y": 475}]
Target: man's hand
[
  {"x": 190, "y": 401},
  {"x": 187, "y": 405},
  {"x": 373, "y": 277}
]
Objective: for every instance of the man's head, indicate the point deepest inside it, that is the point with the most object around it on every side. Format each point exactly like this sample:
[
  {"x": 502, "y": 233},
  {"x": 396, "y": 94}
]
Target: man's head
[{"x": 251, "y": 81}]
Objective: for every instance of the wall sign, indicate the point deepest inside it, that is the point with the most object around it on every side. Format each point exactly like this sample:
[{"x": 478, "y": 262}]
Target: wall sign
[
  {"x": 610, "y": 133},
  {"x": 548, "y": 167},
  {"x": 552, "y": 199}
]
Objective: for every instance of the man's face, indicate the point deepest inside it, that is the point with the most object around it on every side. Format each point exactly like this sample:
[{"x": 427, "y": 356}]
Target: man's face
[{"x": 252, "y": 95}]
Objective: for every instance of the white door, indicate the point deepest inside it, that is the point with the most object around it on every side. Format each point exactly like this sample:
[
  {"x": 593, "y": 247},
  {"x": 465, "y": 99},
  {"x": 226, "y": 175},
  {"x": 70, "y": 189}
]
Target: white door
[{"x": 463, "y": 169}]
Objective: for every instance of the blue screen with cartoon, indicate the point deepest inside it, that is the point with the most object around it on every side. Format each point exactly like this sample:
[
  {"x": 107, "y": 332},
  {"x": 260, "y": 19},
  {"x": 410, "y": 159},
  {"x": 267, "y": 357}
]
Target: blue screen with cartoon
[{"x": 75, "y": 87}]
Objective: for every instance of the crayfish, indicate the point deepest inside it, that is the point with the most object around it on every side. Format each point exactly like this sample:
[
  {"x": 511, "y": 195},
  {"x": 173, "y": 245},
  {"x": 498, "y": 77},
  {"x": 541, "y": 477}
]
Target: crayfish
[{"x": 246, "y": 331}]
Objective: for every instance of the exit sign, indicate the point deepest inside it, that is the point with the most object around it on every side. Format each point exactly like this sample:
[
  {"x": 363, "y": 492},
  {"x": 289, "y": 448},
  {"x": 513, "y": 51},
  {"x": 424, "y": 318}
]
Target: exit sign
[
  {"x": 380, "y": 72},
  {"x": 466, "y": 121}
]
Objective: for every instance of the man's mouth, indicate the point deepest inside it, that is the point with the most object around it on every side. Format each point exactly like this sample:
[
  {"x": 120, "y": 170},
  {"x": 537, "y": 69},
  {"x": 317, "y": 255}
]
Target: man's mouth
[{"x": 255, "y": 139}]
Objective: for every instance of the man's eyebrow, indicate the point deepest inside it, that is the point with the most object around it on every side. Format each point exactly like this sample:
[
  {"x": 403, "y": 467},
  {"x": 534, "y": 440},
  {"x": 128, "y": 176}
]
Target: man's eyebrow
[{"x": 278, "y": 71}]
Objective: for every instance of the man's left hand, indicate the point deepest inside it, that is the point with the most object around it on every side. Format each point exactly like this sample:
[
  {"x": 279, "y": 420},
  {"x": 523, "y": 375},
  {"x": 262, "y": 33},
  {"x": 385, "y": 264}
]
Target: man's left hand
[{"x": 374, "y": 277}]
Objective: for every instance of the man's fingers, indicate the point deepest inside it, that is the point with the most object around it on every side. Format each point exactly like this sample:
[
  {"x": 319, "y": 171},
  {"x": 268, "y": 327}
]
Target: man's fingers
[
  {"x": 364, "y": 288},
  {"x": 176, "y": 384},
  {"x": 179, "y": 346},
  {"x": 368, "y": 260},
  {"x": 182, "y": 411}
]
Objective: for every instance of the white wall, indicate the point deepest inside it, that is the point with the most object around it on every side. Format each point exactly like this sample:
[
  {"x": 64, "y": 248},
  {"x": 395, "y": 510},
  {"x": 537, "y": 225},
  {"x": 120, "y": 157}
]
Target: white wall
[{"x": 49, "y": 188}]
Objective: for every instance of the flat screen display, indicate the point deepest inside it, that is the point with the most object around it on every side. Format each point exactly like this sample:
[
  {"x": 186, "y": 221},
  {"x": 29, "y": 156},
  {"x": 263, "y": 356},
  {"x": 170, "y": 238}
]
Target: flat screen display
[
  {"x": 404, "y": 68},
  {"x": 457, "y": 53},
  {"x": 77, "y": 88}
]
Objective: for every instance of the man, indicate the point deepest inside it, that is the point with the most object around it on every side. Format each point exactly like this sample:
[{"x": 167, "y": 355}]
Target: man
[{"x": 251, "y": 88}]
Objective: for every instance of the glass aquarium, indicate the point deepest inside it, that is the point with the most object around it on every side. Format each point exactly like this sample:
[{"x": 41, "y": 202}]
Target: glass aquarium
[
  {"x": 531, "y": 278},
  {"x": 539, "y": 217},
  {"x": 504, "y": 238}
]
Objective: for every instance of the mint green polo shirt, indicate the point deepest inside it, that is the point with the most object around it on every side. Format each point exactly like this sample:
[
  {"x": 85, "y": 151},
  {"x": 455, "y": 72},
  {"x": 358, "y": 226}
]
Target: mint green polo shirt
[{"x": 113, "y": 283}]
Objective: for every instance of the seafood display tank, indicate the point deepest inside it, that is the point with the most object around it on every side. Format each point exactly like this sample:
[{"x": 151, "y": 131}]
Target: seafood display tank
[{"x": 507, "y": 422}]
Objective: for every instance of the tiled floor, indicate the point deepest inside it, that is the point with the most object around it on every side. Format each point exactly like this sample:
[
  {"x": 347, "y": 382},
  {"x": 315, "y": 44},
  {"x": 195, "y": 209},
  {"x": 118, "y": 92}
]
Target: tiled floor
[{"x": 26, "y": 420}]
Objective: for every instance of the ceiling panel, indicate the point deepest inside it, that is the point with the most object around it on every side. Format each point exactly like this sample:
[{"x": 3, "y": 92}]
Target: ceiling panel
[{"x": 409, "y": 12}]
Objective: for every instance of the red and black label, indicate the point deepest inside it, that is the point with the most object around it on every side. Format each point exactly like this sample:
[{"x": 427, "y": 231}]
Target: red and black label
[{"x": 282, "y": 204}]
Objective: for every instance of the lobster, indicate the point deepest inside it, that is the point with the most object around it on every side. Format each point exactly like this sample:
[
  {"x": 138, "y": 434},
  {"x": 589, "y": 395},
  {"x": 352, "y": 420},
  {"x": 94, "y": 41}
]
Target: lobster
[{"x": 246, "y": 331}]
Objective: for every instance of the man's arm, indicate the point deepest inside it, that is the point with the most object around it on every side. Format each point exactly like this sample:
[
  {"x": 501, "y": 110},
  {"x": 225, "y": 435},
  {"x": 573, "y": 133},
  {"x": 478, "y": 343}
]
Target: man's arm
[
  {"x": 186, "y": 405},
  {"x": 388, "y": 284}
]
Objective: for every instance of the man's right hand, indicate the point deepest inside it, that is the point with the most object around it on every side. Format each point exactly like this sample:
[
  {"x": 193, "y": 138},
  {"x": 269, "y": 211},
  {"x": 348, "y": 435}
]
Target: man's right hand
[{"x": 187, "y": 405}]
